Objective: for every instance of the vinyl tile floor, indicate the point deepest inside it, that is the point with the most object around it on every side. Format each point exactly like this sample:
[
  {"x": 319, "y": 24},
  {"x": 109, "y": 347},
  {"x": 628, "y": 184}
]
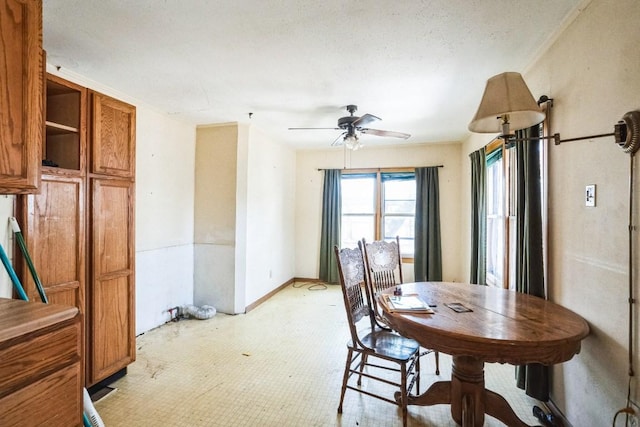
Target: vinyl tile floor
[{"x": 281, "y": 364}]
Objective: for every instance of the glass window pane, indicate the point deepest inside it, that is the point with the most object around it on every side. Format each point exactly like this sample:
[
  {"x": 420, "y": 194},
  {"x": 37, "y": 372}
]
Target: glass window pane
[
  {"x": 400, "y": 190},
  {"x": 512, "y": 252},
  {"x": 354, "y": 228},
  {"x": 399, "y": 206},
  {"x": 495, "y": 192},
  {"x": 358, "y": 195},
  {"x": 406, "y": 248},
  {"x": 495, "y": 250},
  {"x": 404, "y": 227}
]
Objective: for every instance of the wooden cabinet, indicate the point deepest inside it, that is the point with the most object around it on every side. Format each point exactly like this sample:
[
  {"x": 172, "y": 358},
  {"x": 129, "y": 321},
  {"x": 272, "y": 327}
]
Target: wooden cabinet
[
  {"x": 80, "y": 228},
  {"x": 40, "y": 369},
  {"x": 21, "y": 98}
]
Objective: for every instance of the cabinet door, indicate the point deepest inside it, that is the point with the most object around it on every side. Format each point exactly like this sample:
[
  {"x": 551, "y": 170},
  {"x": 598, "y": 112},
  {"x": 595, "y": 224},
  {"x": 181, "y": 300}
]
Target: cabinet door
[
  {"x": 21, "y": 95},
  {"x": 112, "y": 136},
  {"x": 112, "y": 296},
  {"x": 53, "y": 223}
]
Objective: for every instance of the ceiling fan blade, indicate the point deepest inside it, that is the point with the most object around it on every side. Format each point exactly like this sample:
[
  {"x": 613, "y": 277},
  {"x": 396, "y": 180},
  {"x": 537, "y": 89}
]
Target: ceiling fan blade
[
  {"x": 365, "y": 120},
  {"x": 385, "y": 133},
  {"x": 314, "y": 128},
  {"x": 339, "y": 139}
]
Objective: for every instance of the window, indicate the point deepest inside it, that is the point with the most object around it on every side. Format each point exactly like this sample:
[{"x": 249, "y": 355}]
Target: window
[
  {"x": 501, "y": 193},
  {"x": 379, "y": 206},
  {"x": 495, "y": 217}
]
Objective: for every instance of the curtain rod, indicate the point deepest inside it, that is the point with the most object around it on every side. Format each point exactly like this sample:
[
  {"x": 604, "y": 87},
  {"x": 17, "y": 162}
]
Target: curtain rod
[{"x": 383, "y": 169}]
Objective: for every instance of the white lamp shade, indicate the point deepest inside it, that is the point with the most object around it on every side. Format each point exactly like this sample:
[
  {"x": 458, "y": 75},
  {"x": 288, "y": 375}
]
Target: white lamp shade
[{"x": 506, "y": 94}]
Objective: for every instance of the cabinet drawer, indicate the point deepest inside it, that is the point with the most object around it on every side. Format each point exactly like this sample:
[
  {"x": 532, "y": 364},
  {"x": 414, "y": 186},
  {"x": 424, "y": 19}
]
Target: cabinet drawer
[
  {"x": 53, "y": 401},
  {"x": 30, "y": 357}
]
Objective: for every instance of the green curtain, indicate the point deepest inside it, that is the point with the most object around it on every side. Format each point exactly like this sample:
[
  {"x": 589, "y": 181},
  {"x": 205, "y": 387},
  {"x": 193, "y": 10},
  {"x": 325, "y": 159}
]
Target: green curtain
[
  {"x": 331, "y": 219},
  {"x": 427, "y": 262},
  {"x": 533, "y": 378},
  {"x": 478, "y": 270}
]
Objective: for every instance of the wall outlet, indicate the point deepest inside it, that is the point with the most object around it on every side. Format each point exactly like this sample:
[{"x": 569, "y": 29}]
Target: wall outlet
[{"x": 590, "y": 195}]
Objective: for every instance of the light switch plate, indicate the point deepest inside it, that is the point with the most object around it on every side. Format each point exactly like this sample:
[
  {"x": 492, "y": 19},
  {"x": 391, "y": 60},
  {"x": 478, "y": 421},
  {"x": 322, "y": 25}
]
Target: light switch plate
[{"x": 590, "y": 195}]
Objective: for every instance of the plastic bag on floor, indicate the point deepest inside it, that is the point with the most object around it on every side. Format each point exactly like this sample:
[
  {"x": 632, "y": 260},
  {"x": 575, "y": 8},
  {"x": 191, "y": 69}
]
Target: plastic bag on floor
[{"x": 202, "y": 313}]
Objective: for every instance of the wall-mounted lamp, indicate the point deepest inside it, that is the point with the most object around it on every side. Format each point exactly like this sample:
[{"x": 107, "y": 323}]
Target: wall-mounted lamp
[{"x": 507, "y": 105}]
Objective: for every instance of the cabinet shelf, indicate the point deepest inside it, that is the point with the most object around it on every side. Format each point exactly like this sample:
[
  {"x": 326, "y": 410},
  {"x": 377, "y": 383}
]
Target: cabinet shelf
[{"x": 64, "y": 124}]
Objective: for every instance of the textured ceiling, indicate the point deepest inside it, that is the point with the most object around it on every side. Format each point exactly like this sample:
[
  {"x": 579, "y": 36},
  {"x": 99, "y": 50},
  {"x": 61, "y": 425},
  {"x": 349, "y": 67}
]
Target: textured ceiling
[{"x": 421, "y": 66}]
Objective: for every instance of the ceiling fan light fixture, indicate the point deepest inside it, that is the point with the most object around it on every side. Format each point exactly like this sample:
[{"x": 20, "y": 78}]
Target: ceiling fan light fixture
[
  {"x": 352, "y": 142},
  {"x": 507, "y": 104}
]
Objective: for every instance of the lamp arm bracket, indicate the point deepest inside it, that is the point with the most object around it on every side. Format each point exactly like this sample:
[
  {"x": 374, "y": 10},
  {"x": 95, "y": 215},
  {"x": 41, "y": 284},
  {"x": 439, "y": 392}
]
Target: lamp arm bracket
[
  {"x": 626, "y": 133},
  {"x": 558, "y": 141}
]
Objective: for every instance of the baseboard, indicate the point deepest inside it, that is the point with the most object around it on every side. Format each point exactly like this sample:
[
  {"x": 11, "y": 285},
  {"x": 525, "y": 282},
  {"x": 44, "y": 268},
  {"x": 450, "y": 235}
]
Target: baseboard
[
  {"x": 305, "y": 279},
  {"x": 557, "y": 413},
  {"x": 267, "y": 296},
  {"x": 278, "y": 289}
]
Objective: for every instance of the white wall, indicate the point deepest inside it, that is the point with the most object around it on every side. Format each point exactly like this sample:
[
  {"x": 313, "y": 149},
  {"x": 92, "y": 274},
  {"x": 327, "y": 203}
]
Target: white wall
[
  {"x": 593, "y": 73},
  {"x": 270, "y": 225},
  {"x": 165, "y": 163},
  {"x": 309, "y": 197},
  {"x": 245, "y": 216},
  {"x": 7, "y": 205}
]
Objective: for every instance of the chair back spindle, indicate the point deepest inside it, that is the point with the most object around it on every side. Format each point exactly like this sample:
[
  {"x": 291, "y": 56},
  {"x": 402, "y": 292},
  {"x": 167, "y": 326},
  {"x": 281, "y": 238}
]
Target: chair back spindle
[
  {"x": 351, "y": 270},
  {"x": 383, "y": 265}
]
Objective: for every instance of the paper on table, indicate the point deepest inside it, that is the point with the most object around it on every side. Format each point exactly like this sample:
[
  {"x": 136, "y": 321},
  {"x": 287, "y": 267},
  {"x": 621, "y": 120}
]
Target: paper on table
[{"x": 405, "y": 304}]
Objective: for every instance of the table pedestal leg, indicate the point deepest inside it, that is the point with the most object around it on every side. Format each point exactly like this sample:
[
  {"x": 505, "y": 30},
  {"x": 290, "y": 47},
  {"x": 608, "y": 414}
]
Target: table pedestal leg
[
  {"x": 467, "y": 391},
  {"x": 498, "y": 407},
  {"x": 439, "y": 393},
  {"x": 470, "y": 400},
  {"x": 467, "y": 396}
]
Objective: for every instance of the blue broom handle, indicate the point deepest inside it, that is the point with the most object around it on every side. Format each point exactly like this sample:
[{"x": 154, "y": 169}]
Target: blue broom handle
[
  {"x": 17, "y": 233},
  {"x": 12, "y": 275}
]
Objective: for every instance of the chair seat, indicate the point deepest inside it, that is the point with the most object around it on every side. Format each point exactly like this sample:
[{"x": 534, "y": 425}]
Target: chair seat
[{"x": 391, "y": 345}]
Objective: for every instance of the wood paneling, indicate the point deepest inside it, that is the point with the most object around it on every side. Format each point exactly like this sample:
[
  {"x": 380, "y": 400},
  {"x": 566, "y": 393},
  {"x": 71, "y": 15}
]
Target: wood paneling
[{"x": 21, "y": 97}]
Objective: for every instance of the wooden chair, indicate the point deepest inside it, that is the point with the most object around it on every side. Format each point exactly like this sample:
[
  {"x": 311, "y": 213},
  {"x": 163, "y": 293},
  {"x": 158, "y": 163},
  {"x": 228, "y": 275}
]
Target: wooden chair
[
  {"x": 383, "y": 264},
  {"x": 369, "y": 342}
]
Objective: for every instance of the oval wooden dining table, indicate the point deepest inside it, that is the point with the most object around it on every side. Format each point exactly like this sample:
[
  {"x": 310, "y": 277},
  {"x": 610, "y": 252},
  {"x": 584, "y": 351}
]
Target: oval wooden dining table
[{"x": 504, "y": 326}]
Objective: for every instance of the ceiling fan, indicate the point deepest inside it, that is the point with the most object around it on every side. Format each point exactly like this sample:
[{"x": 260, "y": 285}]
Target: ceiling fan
[{"x": 352, "y": 125}]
